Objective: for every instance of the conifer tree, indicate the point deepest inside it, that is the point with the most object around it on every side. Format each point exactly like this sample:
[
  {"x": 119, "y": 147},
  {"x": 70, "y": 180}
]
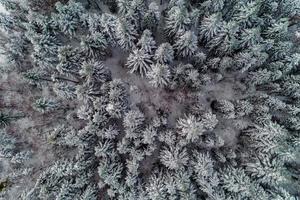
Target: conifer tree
[
  {"x": 139, "y": 61},
  {"x": 186, "y": 45},
  {"x": 164, "y": 54},
  {"x": 159, "y": 75}
]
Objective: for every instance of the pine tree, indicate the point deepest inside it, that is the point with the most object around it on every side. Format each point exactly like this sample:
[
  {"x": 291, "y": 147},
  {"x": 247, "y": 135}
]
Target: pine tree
[
  {"x": 177, "y": 19},
  {"x": 95, "y": 72},
  {"x": 34, "y": 77},
  {"x": 146, "y": 42},
  {"x": 108, "y": 26},
  {"x": 94, "y": 45},
  {"x": 290, "y": 8},
  {"x": 67, "y": 17},
  {"x": 69, "y": 60},
  {"x": 159, "y": 75},
  {"x": 225, "y": 42},
  {"x": 243, "y": 107},
  {"x": 250, "y": 37},
  {"x": 133, "y": 121},
  {"x": 164, "y": 54},
  {"x": 190, "y": 128},
  {"x": 6, "y": 119},
  {"x": 246, "y": 13},
  {"x": 210, "y": 26},
  {"x": 174, "y": 158},
  {"x": 225, "y": 107},
  {"x": 126, "y": 34},
  {"x": 118, "y": 101},
  {"x": 64, "y": 90},
  {"x": 7, "y": 23},
  {"x": 151, "y": 18},
  {"x": 186, "y": 45},
  {"x": 44, "y": 105},
  {"x": 155, "y": 187},
  {"x": 236, "y": 182},
  {"x": 139, "y": 61},
  {"x": 7, "y": 145},
  {"x": 209, "y": 120}
]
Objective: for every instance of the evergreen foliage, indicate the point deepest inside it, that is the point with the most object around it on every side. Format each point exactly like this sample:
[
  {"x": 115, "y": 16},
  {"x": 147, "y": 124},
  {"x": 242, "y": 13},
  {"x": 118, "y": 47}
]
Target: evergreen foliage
[{"x": 150, "y": 100}]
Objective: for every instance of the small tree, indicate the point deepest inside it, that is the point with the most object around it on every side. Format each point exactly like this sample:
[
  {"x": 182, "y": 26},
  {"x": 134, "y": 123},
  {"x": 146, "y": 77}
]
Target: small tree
[
  {"x": 139, "y": 61},
  {"x": 159, "y": 75},
  {"x": 210, "y": 26},
  {"x": 44, "y": 105},
  {"x": 133, "y": 121},
  {"x": 70, "y": 60},
  {"x": 164, "y": 54},
  {"x": 68, "y": 16},
  {"x": 146, "y": 42},
  {"x": 151, "y": 18},
  {"x": 126, "y": 34},
  {"x": 94, "y": 45},
  {"x": 7, "y": 144},
  {"x": 177, "y": 19},
  {"x": 190, "y": 128},
  {"x": 174, "y": 158},
  {"x": 225, "y": 107},
  {"x": 6, "y": 119},
  {"x": 186, "y": 45}
]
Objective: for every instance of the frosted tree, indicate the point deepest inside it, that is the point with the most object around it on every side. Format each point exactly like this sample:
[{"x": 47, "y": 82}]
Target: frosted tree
[
  {"x": 186, "y": 45},
  {"x": 133, "y": 121},
  {"x": 7, "y": 23},
  {"x": 6, "y": 118},
  {"x": 266, "y": 138},
  {"x": 246, "y": 13},
  {"x": 7, "y": 145},
  {"x": 243, "y": 107},
  {"x": 108, "y": 27},
  {"x": 225, "y": 42},
  {"x": 95, "y": 72},
  {"x": 206, "y": 178},
  {"x": 139, "y": 61},
  {"x": 209, "y": 120},
  {"x": 90, "y": 193},
  {"x": 210, "y": 26},
  {"x": 164, "y": 54},
  {"x": 64, "y": 90},
  {"x": 174, "y": 158},
  {"x": 236, "y": 182},
  {"x": 291, "y": 8},
  {"x": 40, "y": 5},
  {"x": 177, "y": 19},
  {"x": 146, "y": 42},
  {"x": 126, "y": 34},
  {"x": 69, "y": 60},
  {"x": 151, "y": 18},
  {"x": 267, "y": 171},
  {"x": 123, "y": 6},
  {"x": 118, "y": 101},
  {"x": 159, "y": 75},
  {"x": 110, "y": 174},
  {"x": 225, "y": 107},
  {"x": 95, "y": 45},
  {"x": 44, "y": 105},
  {"x": 156, "y": 188},
  {"x": 68, "y": 16},
  {"x": 190, "y": 128},
  {"x": 250, "y": 37}
]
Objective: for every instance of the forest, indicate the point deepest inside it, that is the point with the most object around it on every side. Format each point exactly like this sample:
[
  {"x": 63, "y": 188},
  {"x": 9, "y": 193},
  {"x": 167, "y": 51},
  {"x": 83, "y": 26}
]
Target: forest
[{"x": 150, "y": 100}]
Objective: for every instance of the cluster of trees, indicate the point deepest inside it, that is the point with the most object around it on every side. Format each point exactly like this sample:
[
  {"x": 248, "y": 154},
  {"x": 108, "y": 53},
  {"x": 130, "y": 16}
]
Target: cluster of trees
[{"x": 244, "y": 145}]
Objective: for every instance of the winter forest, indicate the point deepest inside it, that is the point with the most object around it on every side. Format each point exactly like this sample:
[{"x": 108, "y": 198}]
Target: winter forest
[{"x": 150, "y": 100}]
